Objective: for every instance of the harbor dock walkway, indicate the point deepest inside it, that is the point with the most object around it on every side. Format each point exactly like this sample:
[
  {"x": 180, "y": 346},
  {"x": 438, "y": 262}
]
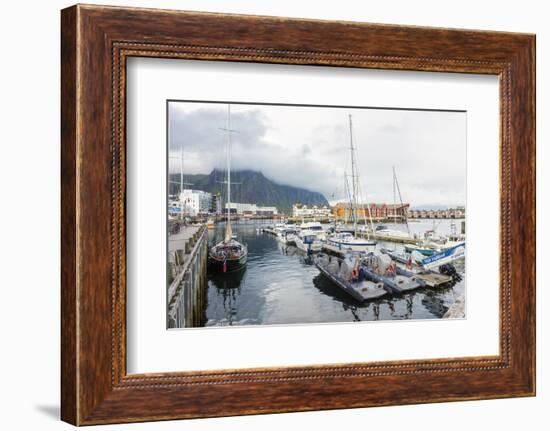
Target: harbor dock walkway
[{"x": 187, "y": 265}]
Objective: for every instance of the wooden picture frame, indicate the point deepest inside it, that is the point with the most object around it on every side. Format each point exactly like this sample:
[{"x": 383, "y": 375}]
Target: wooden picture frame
[{"x": 95, "y": 43}]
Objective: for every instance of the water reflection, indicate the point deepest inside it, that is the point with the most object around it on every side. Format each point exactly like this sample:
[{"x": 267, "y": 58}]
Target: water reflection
[{"x": 280, "y": 285}]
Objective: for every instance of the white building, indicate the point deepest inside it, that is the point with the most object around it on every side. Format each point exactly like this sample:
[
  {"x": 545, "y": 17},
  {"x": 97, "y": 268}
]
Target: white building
[
  {"x": 314, "y": 211},
  {"x": 195, "y": 202},
  {"x": 216, "y": 204},
  {"x": 251, "y": 209}
]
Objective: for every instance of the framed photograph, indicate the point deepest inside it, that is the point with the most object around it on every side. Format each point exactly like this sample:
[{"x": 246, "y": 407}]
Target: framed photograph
[{"x": 292, "y": 215}]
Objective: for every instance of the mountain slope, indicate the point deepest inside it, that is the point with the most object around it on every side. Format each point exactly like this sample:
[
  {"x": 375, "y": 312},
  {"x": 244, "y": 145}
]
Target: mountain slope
[{"x": 252, "y": 187}]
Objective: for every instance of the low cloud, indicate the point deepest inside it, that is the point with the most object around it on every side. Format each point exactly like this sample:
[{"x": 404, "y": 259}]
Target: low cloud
[{"x": 309, "y": 148}]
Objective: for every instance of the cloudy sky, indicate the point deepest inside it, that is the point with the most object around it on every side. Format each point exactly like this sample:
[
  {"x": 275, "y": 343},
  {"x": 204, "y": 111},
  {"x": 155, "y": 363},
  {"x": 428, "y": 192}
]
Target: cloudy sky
[{"x": 309, "y": 147}]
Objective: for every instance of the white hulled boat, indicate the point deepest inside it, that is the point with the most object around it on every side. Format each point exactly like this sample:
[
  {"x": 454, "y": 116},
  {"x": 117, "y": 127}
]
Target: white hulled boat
[
  {"x": 385, "y": 232},
  {"x": 315, "y": 227},
  {"x": 308, "y": 240},
  {"x": 345, "y": 240}
]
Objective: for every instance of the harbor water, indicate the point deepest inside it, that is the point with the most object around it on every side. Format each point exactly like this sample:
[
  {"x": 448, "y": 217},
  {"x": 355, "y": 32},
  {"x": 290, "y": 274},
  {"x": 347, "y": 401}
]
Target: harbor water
[{"x": 280, "y": 285}]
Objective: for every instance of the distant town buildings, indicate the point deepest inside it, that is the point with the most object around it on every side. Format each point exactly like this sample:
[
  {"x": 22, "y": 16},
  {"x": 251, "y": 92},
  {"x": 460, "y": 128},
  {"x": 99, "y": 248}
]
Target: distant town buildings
[
  {"x": 199, "y": 203},
  {"x": 372, "y": 210},
  {"x": 195, "y": 202},
  {"x": 245, "y": 209},
  {"x": 458, "y": 212},
  {"x": 314, "y": 211}
]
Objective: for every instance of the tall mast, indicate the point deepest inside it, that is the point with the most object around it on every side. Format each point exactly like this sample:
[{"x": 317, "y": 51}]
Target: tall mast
[
  {"x": 396, "y": 186},
  {"x": 181, "y": 178},
  {"x": 181, "y": 169},
  {"x": 228, "y": 164},
  {"x": 394, "y": 197},
  {"x": 228, "y": 232},
  {"x": 353, "y": 177},
  {"x": 347, "y": 194}
]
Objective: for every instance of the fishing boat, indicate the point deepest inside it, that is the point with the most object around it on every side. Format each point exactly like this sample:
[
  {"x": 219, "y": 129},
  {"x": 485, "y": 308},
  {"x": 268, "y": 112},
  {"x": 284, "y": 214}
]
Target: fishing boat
[
  {"x": 210, "y": 223},
  {"x": 315, "y": 227},
  {"x": 228, "y": 255},
  {"x": 287, "y": 235},
  {"x": 345, "y": 240},
  {"x": 308, "y": 241},
  {"x": 435, "y": 243}
]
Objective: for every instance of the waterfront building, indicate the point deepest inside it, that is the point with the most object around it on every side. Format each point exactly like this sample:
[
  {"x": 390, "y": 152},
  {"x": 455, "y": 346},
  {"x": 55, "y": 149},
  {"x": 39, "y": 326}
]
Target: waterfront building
[
  {"x": 249, "y": 210},
  {"x": 314, "y": 211},
  {"x": 373, "y": 210},
  {"x": 195, "y": 202}
]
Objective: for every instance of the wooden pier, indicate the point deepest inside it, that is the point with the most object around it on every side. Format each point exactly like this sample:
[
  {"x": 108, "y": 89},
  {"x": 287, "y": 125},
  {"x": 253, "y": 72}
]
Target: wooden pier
[{"x": 187, "y": 265}]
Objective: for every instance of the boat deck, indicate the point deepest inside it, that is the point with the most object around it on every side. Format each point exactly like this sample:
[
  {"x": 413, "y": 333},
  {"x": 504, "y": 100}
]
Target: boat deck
[
  {"x": 361, "y": 290},
  {"x": 395, "y": 284},
  {"x": 406, "y": 284}
]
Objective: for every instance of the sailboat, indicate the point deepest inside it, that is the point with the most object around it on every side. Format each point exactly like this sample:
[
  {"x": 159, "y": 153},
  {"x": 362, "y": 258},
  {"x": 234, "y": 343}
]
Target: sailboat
[
  {"x": 347, "y": 240},
  {"x": 387, "y": 233},
  {"x": 228, "y": 255}
]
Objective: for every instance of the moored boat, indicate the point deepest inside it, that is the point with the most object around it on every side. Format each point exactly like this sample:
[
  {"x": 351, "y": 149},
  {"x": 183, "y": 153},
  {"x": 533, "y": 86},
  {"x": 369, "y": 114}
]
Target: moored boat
[
  {"x": 229, "y": 254},
  {"x": 308, "y": 241},
  {"x": 426, "y": 250},
  {"x": 349, "y": 275},
  {"x": 385, "y": 232},
  {"x": 381, "y": 268},
  {"x": 287, "y": 235},
  {"x": 313, "y": 226},
  {"x": 346, "y": 241},
  {"x": 350, "y": 240}
]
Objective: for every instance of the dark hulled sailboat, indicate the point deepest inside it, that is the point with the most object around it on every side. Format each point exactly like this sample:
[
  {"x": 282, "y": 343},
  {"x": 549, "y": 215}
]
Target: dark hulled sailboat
[{"x": 228, "y": 255}]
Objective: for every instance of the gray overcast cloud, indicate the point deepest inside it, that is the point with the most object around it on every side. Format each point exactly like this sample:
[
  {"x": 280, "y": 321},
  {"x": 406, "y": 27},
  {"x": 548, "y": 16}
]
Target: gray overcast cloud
[{"x": 309, "y": 147}]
